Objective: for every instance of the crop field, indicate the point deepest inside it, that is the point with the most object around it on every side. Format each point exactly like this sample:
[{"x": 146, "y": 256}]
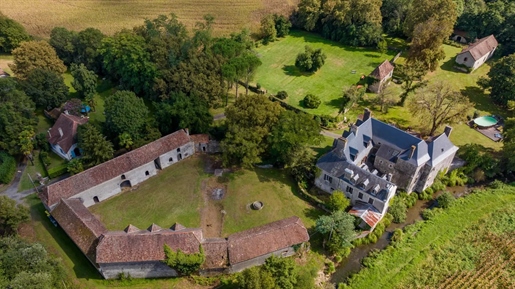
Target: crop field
[
  {"x": 343, "y": 67},
  {"x": 110, "y": 16},
  {"x": 470, "y": 245}
]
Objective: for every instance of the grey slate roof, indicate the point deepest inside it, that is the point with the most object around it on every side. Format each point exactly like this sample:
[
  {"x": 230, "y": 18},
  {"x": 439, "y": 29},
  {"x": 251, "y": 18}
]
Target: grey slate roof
[
  {"x": 440, "y": 148},
  {"x": 335, "y": 166}
]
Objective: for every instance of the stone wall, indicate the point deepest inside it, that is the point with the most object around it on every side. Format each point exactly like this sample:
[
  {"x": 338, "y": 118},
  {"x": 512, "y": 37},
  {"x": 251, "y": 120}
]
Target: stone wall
[
  {"x": 171, "y": 157},
  {"x": 150, "y": 269},
  {"x": 112, "y": 187},
  {"x": 286, "y": 252}
]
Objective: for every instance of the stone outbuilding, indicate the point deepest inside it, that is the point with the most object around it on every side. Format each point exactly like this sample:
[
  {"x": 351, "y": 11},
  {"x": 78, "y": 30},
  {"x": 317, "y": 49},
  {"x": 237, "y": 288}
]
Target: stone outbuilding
[
  {"x": 63, "y": 136},
  {"x": 460, "y": 36},
  {"x": 3, "y": 73},
  {"x": 381, "y": 75},
  {"x": 477, "y": 53}
]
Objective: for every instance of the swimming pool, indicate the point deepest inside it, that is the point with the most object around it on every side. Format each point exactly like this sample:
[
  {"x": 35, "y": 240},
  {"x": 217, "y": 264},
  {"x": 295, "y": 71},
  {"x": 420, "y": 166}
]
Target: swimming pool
[{"x": 485, "y": 121}]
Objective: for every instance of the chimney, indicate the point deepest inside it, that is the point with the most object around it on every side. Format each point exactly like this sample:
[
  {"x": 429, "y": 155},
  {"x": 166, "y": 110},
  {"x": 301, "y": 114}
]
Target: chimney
[
  {"x": 49, "y": 134},
  {"x": 366, "y": 114},
  {"x": 413, "y": 148},
  {"x": 61, "y": 132},
  {"x": 187, "y": 131},
  {"x": 447, "y": 131}
]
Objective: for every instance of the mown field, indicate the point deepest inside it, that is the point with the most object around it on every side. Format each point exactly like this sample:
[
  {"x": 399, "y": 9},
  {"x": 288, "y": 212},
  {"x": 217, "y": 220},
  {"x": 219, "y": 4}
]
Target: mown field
[
  {"x": 470, "y": 245},
  {"x": 39, "y": 17},
  {"x": 278, "y": 71}
]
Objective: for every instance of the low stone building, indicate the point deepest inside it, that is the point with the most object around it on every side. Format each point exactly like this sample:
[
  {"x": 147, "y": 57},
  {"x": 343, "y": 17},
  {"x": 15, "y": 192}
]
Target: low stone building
[
  {"x": 373, "y": 159},
  {"x": 380, "y": 76},
  {"x": 477, "y": 53},
  {"x": 460, "y": 36},
  {"x": 63, "y": 136}
]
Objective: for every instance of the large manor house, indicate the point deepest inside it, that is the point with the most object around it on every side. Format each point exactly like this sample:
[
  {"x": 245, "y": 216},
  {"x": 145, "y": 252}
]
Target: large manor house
[
  {"x": 374, "y": 159},
  {"x": 140, "y": 252}
]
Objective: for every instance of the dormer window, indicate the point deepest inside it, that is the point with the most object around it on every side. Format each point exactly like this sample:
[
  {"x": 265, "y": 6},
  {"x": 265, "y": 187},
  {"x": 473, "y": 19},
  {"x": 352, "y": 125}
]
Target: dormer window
[
  {"x": 352, "y": 157},
  {"x": 365, "y": 144},
  {"x": 375, "y": 189},
  {"x": 354, "y": 179},
  {"x": 365, "y": 183}
]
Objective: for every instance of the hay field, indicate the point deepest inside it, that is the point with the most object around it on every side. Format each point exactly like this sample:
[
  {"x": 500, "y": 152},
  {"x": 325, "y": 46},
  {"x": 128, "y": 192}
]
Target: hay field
[{"x": 110, "y": 16}]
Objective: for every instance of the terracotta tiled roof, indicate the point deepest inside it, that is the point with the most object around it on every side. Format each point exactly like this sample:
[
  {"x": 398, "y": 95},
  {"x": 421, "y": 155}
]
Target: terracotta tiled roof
[
  {"x": 67, "y": 124},
  {"x": 131, "y": 229},
  {"x": 382, "y": 70},
  {"x": 116, "y": 247},
  {"x": 113, "y": 168},
  {"x": 481, "y": 47},
  {"x": 154, "y": 228},
  {"x": 177, "y": 227},
  {"x": 367, "y": 213},
  {"x": 200, "y": 138},
  {"x": 80, "y": 224},
  {"x": 460, "y": 33},
  {"x": 265, "y": 239},
  {"x": 215, "y": 250}
]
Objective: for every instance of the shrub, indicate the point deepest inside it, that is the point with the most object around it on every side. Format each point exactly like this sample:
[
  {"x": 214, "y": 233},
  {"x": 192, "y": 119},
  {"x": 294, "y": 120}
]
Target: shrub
[
  {"x": 397, "y": 236},
  {"x": 312, "y": 101},
  {"x": 310, "y": 60},
  {"x": 282, "y": 95},
  {"x": 428, "y": 214},
  {"x": 57, "y": 171},
  {"x": 329, "y": 267},
  {"x": 445, "y": 200},
  {"x": 398, "y": 210},
  {"x": 43, "y": 155},
  {"x": 337, "y": 201},
  {"x": 184, "y": 263},
  {"x": 7, "y": 168},
  {"x": 497, "y": 184}
]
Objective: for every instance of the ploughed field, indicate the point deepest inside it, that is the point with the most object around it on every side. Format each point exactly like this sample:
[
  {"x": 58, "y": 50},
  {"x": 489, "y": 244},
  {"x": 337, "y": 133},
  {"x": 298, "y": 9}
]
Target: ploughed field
[{"x": 39, "y": 17}]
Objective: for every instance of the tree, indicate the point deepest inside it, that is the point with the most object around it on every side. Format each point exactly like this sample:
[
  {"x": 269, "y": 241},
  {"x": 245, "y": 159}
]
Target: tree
[
  {"x": 45, "y": 87},
  {"x": 16, "y": 114},
  {"x": 338, "y": 201},
  {"x": 87, "y": 49},
  {"x": 26, "y": 142},
  {"x": 386, "y": 98},
  {"x": 509, "y": 144},
  {"x": 73, "y": 106},
  {"x": 293, "y": 130},
  {"x": 127, "y": 61},
  {"x": 63, "y": 41},
  {"x": 398, "y": 210},
  {"x": 12, "y": 34},
  {"x": 443, "y": 12},
  {"x": 310, "y": 60},
  {"x": 95, "y": 148},
  {"x": 311, "y": 101},
  {"x": 300, "y": 164},
  {"x": 75, "y": 166},
  {"x": 394, "y": 15},
  {"x": 185, "y": 264},
  {"x": 502, "y": 80},
  {"x": 181, "y": 111},
  {"x": 350, "y": 96},
  {"x": 11, "y": 215},
  {"x": 445, "y": 200},
  {"x": 282, "y": 95},
  {"x": 249, "y": 122},
  {"x": 409, "y": 73},
  {"x": 308, "y": 13},
  {"x": 437, "y": 105},
  {"x": 250, "y": 63},
  {"x": 339, "y": 223},
  {"x": 282, "y": 270},
  {"x": 84, "y": 81},
  {"x": 35, "y": 54},
  {"x": 256, "y": 278},
  {"x": 282, "y": 25},
  {"x": 268, "y": 31},
  {"x": 125, "y": 113},
  {"x": 126, "y": 140},
  {"x": 382, "y": 46}
]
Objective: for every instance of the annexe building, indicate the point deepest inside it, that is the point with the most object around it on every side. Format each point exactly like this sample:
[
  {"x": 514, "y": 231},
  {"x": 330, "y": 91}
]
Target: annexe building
[
  {"x": 478, "y": 52},
  {"x": 373, "y": 159},
  {"x": 381, "y": 75},
  {"x": 63, "y": 136},
  {"x": 140, "y": 253}
]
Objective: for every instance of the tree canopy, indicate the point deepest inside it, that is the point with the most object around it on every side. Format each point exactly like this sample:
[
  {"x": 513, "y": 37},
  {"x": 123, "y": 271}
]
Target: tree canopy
[
  {"x": 249, "y": 121},
  {"x": 338, "y": 201},
  {"x": 16, "y": 115},
  {"x": 35, "y": 54},
  {"x": 12, "y": 34},
  {"x": 84, "y": 81},
  {"x": 11, "y": 215},
  {"x": 46, "y": 88},
  {"x": 310, "y": 60},
  {"x": 95, "y": 148},
  {"x": 338, "y": 228},
  {"x": 502, "y": 80},
  {"x": 438, "y": 104},
  {"x": 125, "y": 112}
]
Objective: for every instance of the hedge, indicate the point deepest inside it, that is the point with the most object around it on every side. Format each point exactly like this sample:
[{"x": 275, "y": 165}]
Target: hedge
[
  {"x": 57, "y": 171},
  {"x": 7, "y": 168}
]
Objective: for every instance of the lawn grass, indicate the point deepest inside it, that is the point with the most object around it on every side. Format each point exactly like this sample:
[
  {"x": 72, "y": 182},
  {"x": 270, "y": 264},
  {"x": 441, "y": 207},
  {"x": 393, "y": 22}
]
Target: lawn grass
[
  {"x": 113, "y": 15},
  {"x": 171, "y": 196},
  {"x": 423, "y": 241},
  {"x": 278, "y": 71},
  {"x": 272, "y": 187},
  {"x": 32, "y": 170}
]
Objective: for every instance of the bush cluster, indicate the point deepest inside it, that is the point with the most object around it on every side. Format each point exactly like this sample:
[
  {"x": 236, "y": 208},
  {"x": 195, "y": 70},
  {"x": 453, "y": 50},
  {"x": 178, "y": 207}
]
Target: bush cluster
[
  {"x": 312, "y": 101},
  {"x": 185, "y": 264},
  {"x": 7, "y": 168},
  {"x": 282, "y": 95},
  {"x": 57, "y": 171}
]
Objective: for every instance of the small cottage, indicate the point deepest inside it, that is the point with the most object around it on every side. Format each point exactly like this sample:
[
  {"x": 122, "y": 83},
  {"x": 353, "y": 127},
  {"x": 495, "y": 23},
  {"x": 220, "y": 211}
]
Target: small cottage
[
  {"x": 477, "y": 53},
  {"x": 460, "y": 36},
  {"x": 3, "y": 74},
  {"x": 63, "y": 136},
  {"x": 381, "y": 75}
]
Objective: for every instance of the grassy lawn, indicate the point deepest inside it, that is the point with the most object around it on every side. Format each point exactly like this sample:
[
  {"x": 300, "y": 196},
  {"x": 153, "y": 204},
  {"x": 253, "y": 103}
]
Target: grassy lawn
[
  {"x": 113, "y": 15},
  {"x": 31, "y": 170},
  {"x": 452, "y": 242},
  {"x": 278, "y": 71},
  {"x": 270, "y": 186},
  {"x": 171, "y": 196}
]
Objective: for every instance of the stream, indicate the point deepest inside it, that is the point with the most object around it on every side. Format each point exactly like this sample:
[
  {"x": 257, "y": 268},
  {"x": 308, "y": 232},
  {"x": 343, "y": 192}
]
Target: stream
[{"x": 352, "y": 264}]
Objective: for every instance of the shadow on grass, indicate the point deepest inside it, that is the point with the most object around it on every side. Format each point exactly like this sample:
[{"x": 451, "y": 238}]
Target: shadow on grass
[
  {"x": 292, "y": 70},
  {"x": 335, "y": 102},
  {"x": 82, "y": 267},
  {"x": 320, "y": 151},
  {"x": 449, "y": 66},
  {"x": 481, "y": 101},
  {"x": 372, "y": 55}
]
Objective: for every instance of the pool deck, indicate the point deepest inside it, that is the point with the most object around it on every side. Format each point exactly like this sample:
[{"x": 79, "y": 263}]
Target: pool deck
[{"x": 489, "y": 132}]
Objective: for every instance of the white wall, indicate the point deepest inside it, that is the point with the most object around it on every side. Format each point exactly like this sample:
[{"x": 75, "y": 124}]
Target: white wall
[
  {"x": 60, "y": 152},
  {"x": 151, "y": 269},
  {"x": 185, "y": 151}
]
